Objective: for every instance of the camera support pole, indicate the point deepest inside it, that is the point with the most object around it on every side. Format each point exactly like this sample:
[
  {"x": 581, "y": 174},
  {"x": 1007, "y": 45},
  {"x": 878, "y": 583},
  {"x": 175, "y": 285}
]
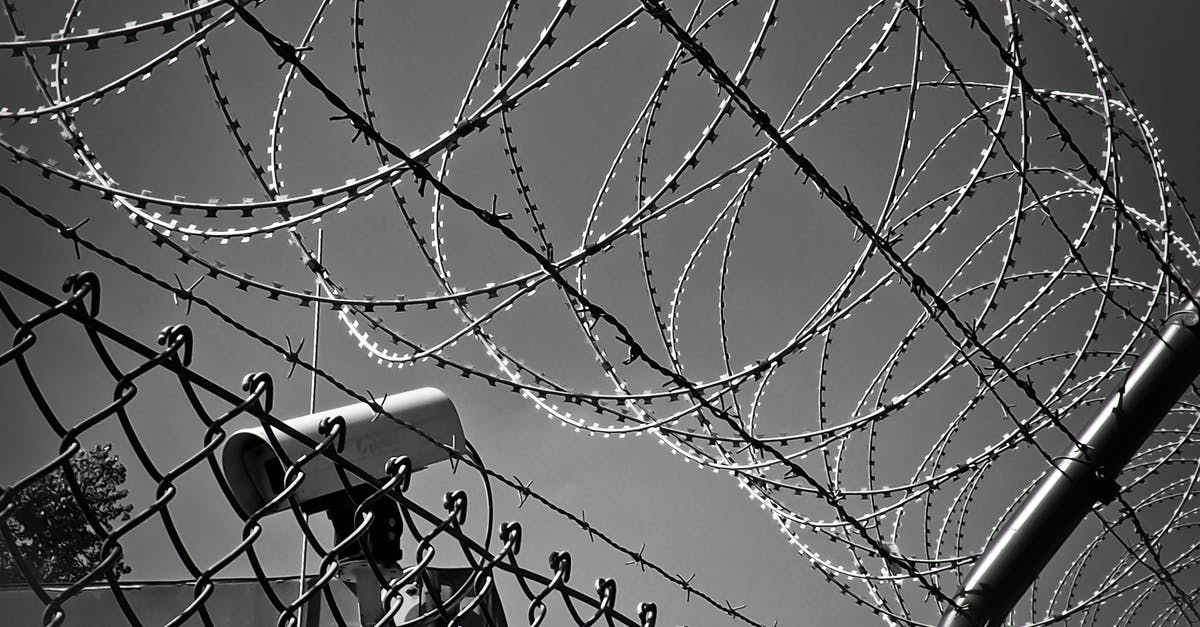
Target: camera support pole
[
  {"x": 1083, "y": 476},
  {"x": 368, "y": 591}
]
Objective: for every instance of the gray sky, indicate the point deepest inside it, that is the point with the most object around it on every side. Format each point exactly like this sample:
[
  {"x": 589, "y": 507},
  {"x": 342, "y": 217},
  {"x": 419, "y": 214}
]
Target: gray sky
[{"x": 165, "y": 134}]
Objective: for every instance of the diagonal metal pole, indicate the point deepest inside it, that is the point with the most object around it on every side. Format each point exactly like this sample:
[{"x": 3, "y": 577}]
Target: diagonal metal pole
[{"x": 1082, "y": 477}]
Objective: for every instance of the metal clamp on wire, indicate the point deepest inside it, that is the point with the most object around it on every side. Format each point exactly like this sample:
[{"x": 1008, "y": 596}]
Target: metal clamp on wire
[
  {"x": 314, "y": 266},
  {"x": 1105, "y": 477},
  {"x": 1187, "y": 317},
  {"x": 1108, "y": 488}
]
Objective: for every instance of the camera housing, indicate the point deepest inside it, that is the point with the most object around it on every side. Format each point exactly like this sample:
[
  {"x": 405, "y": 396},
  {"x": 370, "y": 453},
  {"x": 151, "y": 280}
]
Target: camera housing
[{"x": 255, "y": 473}]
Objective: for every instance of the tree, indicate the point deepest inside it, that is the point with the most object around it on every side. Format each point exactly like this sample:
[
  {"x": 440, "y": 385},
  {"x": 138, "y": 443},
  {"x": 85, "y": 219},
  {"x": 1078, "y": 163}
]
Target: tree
[{"x": 49, "y": 528}]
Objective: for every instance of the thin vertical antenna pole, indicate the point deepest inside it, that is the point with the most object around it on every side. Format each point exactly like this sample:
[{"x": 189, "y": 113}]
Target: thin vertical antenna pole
[
  {"x": 312, "y": 407},
  {"x": 316, "y": 336},
  {"x": 1086, "y": 474}
]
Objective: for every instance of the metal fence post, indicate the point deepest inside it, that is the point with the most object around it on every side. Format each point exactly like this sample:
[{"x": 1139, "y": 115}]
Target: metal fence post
[{"x": 1083, "y": 476}]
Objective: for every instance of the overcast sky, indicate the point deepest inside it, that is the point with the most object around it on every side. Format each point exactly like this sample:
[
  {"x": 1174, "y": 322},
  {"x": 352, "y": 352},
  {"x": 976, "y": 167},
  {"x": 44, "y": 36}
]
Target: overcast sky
[{"x": 166, "y": 135}]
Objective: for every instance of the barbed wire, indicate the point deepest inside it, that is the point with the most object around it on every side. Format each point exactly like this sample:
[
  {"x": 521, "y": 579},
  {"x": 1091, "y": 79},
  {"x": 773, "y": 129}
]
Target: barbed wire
[{"x": 1026, "y": 285}]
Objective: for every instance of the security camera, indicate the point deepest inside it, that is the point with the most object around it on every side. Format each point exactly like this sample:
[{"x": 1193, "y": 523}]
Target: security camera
[
  {"x": 255, "y": 472},
  {"x": 255, "y": 462}
]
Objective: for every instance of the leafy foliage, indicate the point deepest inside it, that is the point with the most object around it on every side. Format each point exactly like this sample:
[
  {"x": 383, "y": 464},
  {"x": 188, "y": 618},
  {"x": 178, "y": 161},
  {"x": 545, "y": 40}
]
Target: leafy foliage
[{"x": 48, "y": 527}]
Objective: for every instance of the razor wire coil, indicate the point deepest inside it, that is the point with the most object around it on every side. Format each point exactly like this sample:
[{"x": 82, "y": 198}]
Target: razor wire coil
[{"x": 1122, "y": 247}]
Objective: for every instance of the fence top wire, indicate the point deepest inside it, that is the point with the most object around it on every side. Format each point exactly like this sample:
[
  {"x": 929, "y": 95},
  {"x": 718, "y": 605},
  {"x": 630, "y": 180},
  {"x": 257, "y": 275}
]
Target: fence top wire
[{"x": 1003, "y": 251}]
